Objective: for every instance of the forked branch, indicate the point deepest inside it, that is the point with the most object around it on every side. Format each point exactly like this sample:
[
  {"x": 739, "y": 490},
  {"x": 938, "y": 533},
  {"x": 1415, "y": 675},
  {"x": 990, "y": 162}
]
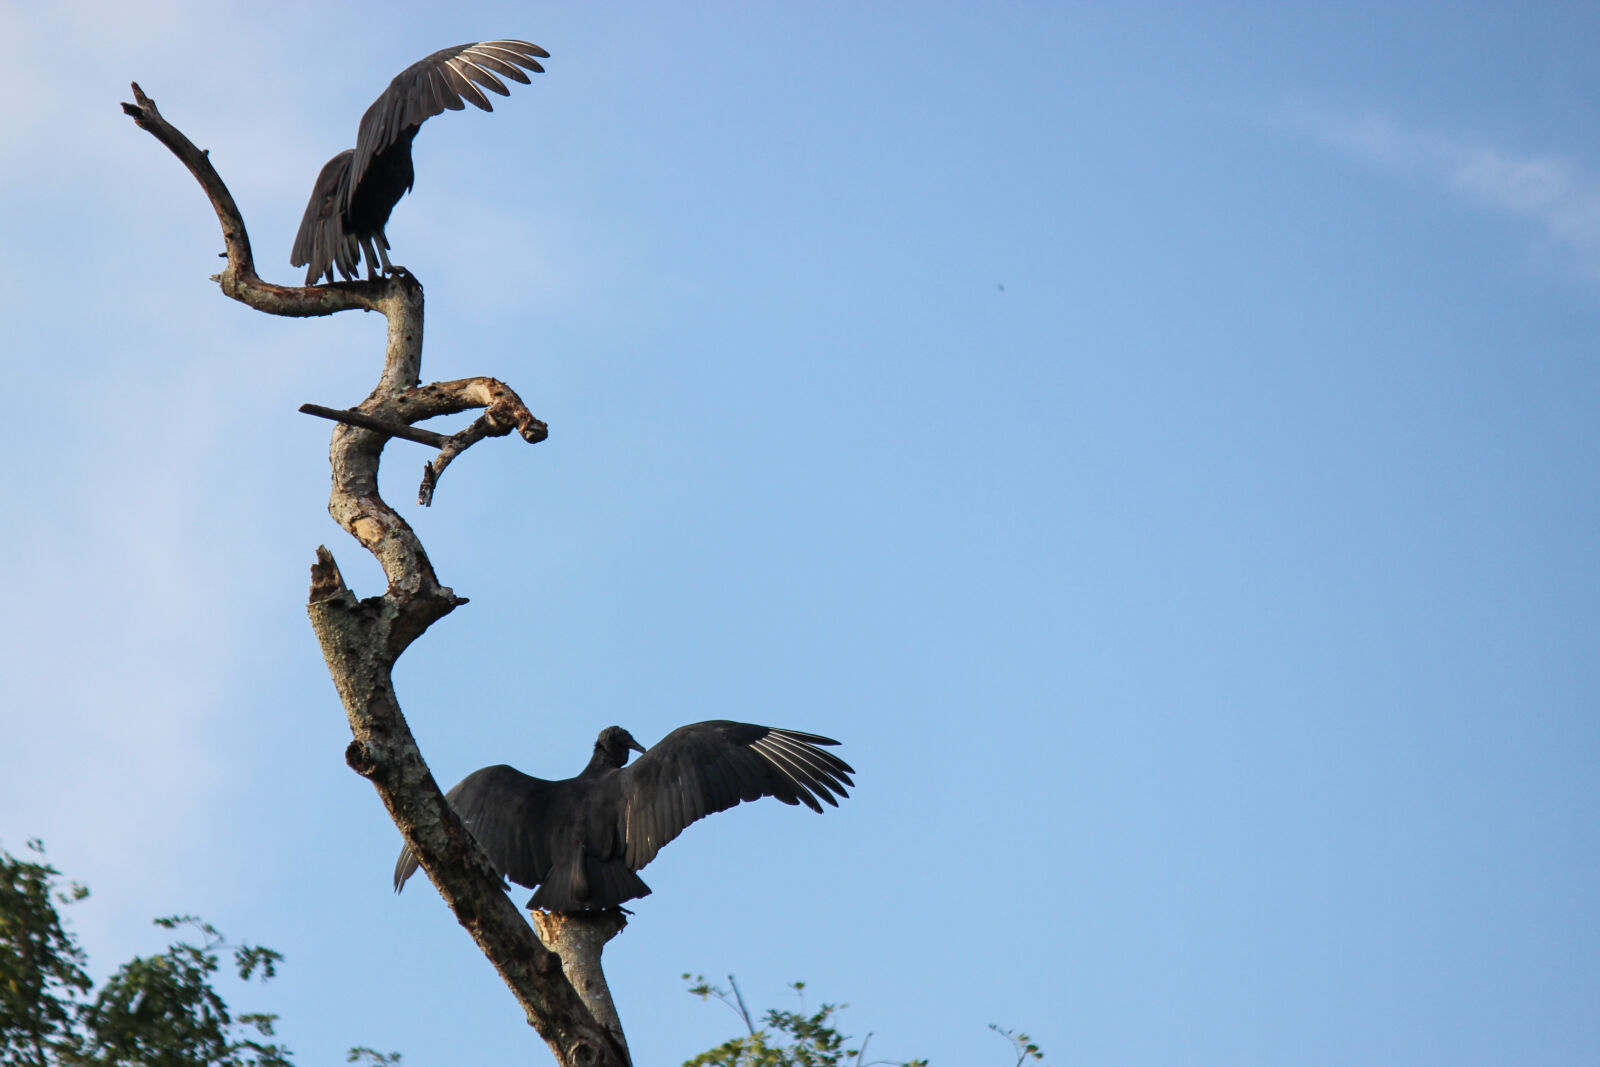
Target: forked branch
[
  {"x": 239, "y": 279},
  {"x": 504, "y": 411}
]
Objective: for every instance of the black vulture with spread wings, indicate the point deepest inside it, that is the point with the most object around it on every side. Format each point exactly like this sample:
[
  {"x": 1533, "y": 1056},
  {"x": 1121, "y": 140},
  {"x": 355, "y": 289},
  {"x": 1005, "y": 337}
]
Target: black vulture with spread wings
[
  {"x": 357, "y": 189},
  {"x": 581, "y": 840}
]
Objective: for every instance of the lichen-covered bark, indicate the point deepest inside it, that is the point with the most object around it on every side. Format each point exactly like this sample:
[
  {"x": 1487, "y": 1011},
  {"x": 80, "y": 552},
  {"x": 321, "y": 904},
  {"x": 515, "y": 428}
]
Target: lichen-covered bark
[{"x": 362, "y": 638}]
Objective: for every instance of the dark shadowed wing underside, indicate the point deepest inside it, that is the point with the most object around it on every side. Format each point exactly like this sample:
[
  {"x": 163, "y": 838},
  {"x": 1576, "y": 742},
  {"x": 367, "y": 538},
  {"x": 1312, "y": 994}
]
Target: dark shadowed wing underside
[{"x": 358, "y": 188}]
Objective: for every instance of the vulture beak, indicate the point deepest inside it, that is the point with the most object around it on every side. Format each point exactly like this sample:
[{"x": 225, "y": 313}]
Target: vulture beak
[{"x": 636, "y": 746}]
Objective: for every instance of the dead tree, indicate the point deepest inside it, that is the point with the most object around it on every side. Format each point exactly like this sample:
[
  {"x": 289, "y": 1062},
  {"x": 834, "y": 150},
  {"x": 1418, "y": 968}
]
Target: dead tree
[{"x": 558, "y": 982}]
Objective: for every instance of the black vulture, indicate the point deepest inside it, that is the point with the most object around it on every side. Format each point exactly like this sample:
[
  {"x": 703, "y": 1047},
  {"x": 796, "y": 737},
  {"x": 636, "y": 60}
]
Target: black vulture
[
  {"x": 581, "y": 840},
  {"x": 357, "y": 189}
]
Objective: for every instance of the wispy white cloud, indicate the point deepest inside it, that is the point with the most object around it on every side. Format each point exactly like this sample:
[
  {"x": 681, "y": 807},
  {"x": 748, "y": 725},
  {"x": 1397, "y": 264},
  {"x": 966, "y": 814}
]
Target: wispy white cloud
[{"x": 1553, "y": 194}]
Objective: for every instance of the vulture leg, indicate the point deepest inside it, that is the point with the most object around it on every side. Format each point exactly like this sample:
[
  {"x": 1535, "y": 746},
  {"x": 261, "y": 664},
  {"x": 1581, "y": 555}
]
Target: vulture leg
[
  {"x": 371, "y": 257},
  {"x": 376, "y": 248},
  {"x": 383, "y": 253}
]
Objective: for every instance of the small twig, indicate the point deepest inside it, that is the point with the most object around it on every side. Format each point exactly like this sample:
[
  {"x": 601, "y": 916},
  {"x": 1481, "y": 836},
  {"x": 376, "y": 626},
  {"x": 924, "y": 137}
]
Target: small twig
[
  {"x": 504, "y": 411},
  {"x": 749, "y": 1024},
  {"x": 372, "y": 422}
]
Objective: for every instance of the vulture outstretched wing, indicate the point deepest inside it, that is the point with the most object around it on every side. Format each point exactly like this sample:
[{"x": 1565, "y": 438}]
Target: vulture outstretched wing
[
  {"x": 580, "y": 840},
  {"x": 357, "y": 188},
  {"x": 510, "y": 815},
  {"x": 711, "y": 766},
  {"x": 436, "y": 84}
]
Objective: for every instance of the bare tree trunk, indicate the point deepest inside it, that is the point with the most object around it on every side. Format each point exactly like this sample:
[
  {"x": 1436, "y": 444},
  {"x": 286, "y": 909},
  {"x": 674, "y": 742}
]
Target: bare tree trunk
[{"x": 362, "y": 639}]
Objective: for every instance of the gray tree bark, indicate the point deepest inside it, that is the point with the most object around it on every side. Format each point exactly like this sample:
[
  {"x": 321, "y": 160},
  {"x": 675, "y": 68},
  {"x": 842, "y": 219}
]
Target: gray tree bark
[{"x": 558, "y": 982}]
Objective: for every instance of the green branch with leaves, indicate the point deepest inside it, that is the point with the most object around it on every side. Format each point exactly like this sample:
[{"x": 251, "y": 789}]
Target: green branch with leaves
[
  {"x": 155, "y": 1011},
  {"x": 805, "y": 1038}
]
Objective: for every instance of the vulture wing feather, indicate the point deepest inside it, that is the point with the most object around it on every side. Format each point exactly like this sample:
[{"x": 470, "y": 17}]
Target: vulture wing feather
[
  {"x": 321, "y": 231},
  {"x": 817, "y": 773},
  {"x": 472, "y": 65},
  {"x": 784, "y": 765},
  {"x": 330, "y": 232},
  {"x": 490, "y": 60},
  {"x": 711, "y": 766},
  {"x": 464, "y": 87},
  {"x": 507, "y": 814},
  {"x": 430, "y": 86}
]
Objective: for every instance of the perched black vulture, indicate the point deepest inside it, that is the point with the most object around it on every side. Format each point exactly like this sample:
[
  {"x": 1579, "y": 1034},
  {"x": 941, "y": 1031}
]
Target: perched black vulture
[
  {"x": 581, "y": 840},
  {"x": 357, "y": 189}
]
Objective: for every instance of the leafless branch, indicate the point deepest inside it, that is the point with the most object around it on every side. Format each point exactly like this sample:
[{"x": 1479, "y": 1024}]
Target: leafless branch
[
  {"x": 504, "y": 411},
  {"x": 353, "y": 417},
  {"x": 362, "y": 639},
  {"x": 239, "y": 279}
]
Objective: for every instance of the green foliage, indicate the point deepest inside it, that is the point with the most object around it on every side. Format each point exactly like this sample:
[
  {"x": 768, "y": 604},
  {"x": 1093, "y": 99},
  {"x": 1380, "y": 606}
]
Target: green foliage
[
  {"x": 162, "y": 1010},
  {"x": 803, "y": 1039},
  {"x": 156, "y": 1011},
  {"x": 806, "y": 1039},
  {"x": 42, "y": 979},
  {"x": 1021, "y": 1044}
]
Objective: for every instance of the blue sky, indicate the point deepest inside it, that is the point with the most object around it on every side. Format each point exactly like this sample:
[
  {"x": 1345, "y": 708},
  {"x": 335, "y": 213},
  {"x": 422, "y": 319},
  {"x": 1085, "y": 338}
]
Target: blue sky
[{"x": 1159, "y": 443}]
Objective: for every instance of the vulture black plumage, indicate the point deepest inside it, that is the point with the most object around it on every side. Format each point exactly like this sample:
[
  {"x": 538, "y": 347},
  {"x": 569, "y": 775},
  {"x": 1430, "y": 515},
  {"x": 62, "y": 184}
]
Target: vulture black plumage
[
  {"x": 581, "y": 840},
  {"x": 359, "y": 187}
]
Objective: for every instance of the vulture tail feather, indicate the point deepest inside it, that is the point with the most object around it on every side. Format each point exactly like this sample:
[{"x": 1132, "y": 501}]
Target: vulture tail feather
[{"x": 607, "y": 883}]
